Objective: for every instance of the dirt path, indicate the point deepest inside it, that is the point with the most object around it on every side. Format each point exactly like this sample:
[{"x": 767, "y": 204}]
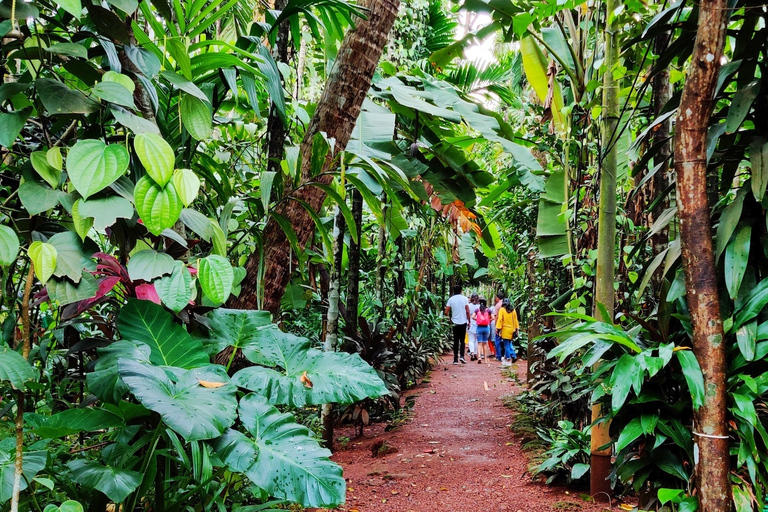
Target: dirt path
[{"x": 456, "y": 454}]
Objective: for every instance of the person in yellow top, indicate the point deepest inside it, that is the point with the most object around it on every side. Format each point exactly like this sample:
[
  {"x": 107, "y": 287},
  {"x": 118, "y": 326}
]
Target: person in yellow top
[{"x": 506, "y": 328}]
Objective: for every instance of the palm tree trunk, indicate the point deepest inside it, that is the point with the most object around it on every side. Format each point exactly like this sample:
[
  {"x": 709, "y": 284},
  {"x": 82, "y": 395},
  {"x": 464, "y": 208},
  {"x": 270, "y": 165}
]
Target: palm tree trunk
[
  {"x": 276, "y": 129},
  {"x": 335, "y": 115},
  {"x": 711, "y": 428},
  {"x": 600, "y": 466}
]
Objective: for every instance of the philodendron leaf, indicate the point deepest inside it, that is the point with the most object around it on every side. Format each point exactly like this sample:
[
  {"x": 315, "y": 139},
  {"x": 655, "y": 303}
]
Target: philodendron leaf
[
  {"x": 282, "y": 457},
  {"x": 239, "y": 329},
  {"x": 185, "y": 399},
  {"x": 15, "y": 369},
  {"x": 170, "y": 343},
  {"x": 9, "y": 246},
  {"x": 49, "y": 173},
  {"x": 156, "y": 156},
  {"x": 187, "y": 185},
  {"x": 32, "y": 464},
  {"x": 73, "y": 421},
  {"x": 216, "y": 277},
  {"x": 93, "y": 166},
  {"x": 149, "y": 264},
  {"x": 159, "y": 207},
  {"x": 196, "y": 116},
  {"x": 43, "y": 255},
  {"x": 307, "y": 376},
  {"x": 104, "y": 381},
  {"x": 175, "y": 290},
  {"x": 115, "y": 483}
]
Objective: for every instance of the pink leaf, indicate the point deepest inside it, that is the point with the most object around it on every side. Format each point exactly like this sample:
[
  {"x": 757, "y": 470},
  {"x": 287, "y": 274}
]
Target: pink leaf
[{"x": 147, "y": 292}]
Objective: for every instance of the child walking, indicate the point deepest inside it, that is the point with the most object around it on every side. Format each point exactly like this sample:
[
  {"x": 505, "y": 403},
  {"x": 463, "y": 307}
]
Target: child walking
[{"x": 506, "y": 327}]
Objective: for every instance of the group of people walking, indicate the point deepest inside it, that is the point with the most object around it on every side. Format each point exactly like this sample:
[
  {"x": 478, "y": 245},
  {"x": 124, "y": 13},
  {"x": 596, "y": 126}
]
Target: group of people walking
[{"x": 489, "y": 329}]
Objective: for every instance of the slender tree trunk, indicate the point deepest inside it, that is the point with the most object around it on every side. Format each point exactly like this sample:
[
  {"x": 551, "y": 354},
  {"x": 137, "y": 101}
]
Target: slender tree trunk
[
  {"x": 710, "y": 423},
  {"x": 353, "y": 275},
  {"x": 332, "y": 317},
  {"x": 600, "y": 467},
  {"x": 276, "y": 129},
  {"x": 335, "y": 115},
  {"x": 380, "y": 258}
]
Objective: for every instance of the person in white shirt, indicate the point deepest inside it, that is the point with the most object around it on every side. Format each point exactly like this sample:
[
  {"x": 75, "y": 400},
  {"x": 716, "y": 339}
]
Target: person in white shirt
[
  {"x": 474, "y": 305},
  {"x": 457, "y": 310}
]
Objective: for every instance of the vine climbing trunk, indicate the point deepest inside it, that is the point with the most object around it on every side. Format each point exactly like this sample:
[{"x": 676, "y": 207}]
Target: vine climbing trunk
[
  {"x": 696, "y": 103},
  {"x": 335, "y": 115},
  {"x": 600, "y": 440}
]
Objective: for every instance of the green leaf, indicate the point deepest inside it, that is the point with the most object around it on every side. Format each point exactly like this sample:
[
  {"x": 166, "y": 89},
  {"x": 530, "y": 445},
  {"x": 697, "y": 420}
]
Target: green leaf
[
  {"x": 133, "y": 122},
  {"x": 758, "y": 159},
  {"x": 106, "y": 210},
  {"x": 93, "y": 166},
  {"x": 73, "y": 7},
  {"x": 185, "y": 399},
  {"x": 72, "y": 255},
  {"x": 15, "y": 369},
  {"x": 728, "y": 221},
  {"x": 175, "y": 290},
  {"x": 629, "y": 433},
  {"x": 74, "y": 421},
  {"x": 170, "y": 344},
  {"x": 69, "y": 49},
  {"x": 198, "y": 223},
  {"x": 216, "y": 277},
  {"x": 124, "y": 80},
  {"x": 741, "y": 499},
  {"x": 196, "y": 116},
  {"x": 9, "y": 246},
  {"x": 746, "y": 338},
  {"x": 149, "y": 264},
  {"x": 335, "y": 376},
  {"x": 32, "y": 464},
  {"x": 66, "y": 292},
  {"x": 736, "y": 258},
  {"x": 693, "y": 376},
  {"x": 11, "y": 124},
  {"x": 83, "y": 224},
  {"x": 753, "y": 304},
  {"x": 240, "y": 329},
  {"x": 57, "y": 98},
  {"x": 621, "y": 380},
  {"x": 50, "y": 174},
  {"x": 467, "y": 250},
  {"x": 104, "y": 381},
  {"x": 127, "y": 6},
  {"x": 265, "y": 188},
  {"x": 667, "y": 495},
  {"x": 114, "y": 92},
  {"x": 116, "y": 483},
  {"x": 70, "y": 506},
  {"x": 43, "y": 255},
  {"x": 156, "y": 156},
  {"x": 37, "y": 198},
  {"x": 740, "y": 105},
  {"x": 187, "y": 185},
  {"x": 185, "y": 85},
  {"x": 289, "y": 463},
  {"x": 579, "y": 470},
  {"x": 158, "y": 207}
]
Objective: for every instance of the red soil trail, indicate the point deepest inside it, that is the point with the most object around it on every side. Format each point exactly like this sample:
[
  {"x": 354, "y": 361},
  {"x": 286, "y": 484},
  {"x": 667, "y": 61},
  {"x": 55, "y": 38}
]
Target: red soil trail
[{"x": 456, "y": 454}]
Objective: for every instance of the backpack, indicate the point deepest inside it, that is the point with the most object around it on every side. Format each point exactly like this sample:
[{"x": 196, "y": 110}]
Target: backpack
[{"x": 483, "y": 318}]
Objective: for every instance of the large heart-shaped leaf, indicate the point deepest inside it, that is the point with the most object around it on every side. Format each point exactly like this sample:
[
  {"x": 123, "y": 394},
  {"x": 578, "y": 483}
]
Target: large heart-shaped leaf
[
  {"x": 9, "y": 246},
  {"x": 64, "y": 291},
  {"x": 11, "y": 124},
  {"x": 49, "y": 173},
  {"x": 106, "y": 210},
  {"x": 159, "y": 207},
  {"x": 216, "y": 277},
  {"x": 175, "y": 290},
  {"x": 43, "y": 255},
  {"x": 15, "y": 369},
  {"x": 37, "y": 198},
  {"x": 114, "y": 92},
  {"x": 57, "y": 98},
  {"x": 149, "y": 264},
  {"x": 170, "y": 343},
  {"x": 93, "y": 166},
  {"x": 196, "y": 116},
  {"x": 240, "y": 329},
  {"x": 308, "y": 376},
  {"x": 72, "y": 255},
  {"x": 115, "y": 483},
  {"x": 282, "y": 458},
  {"x": 156, "y": 156},
  {"x": 198, "y": 403},
  {"x": 104, "y": 381}
]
